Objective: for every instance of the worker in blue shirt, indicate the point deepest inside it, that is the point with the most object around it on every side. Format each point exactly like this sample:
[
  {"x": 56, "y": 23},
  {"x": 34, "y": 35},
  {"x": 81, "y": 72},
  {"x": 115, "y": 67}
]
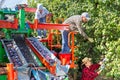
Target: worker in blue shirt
[{"x": 41, "y": 14}]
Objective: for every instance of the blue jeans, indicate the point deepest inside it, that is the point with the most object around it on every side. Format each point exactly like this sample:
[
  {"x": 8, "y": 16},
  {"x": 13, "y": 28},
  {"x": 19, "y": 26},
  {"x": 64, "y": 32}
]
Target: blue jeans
[
  {"x": 42, "y": 32},
  {"x": 65, "y": 47}
]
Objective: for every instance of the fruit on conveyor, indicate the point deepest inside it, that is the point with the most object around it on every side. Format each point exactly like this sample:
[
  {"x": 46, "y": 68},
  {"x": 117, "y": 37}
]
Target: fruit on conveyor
[
  {"x": 12, "y": 51},
  {"x": 42, "y": 51}
]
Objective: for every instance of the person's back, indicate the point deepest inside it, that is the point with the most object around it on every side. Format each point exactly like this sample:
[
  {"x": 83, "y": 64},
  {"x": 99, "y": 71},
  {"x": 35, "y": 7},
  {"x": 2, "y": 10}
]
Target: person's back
[{"x": 73, "y": 21}]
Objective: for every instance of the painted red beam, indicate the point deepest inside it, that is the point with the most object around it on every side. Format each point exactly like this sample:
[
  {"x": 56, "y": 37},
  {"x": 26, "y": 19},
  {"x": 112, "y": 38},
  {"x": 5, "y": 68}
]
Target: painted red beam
[
  {"x": 31, "y": 25},
  {"x": 30, "y": 9},
  {"x": 9, "y": 25},
  {"x": 49, "y": 26},
  {"x": 52, "y": 26},
  {"x": 5, "y": 24},
  {"x": 49, "y": 67}
]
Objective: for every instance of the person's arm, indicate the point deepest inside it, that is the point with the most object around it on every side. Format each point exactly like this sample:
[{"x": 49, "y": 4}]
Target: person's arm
[
  {"x": 46, "y": 11},
  {"x": 90, "y": 74},
  {"x": 37, "y": 16},
  {"x": 48, "y": 15},
  {"x": 99, "y": 72},
  {"x": 95, "y": 66},
  {"x": 80, "y": 30}
]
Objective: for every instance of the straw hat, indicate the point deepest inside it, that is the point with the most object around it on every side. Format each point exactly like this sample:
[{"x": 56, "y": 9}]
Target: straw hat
[{"x": 85, "y": 60}]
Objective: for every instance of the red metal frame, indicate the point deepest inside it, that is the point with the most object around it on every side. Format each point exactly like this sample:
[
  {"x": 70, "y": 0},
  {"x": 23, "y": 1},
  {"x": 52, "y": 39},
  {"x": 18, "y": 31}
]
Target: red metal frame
[
  {"x": 50, "y": 40},
  {"x": 49, "y": 67},
  {"x": 52, "y": 26},
  {"x": 66, "y": 57},
  {"x": 48, "y": 26},
  {"x": 72, "y": 46},
  {"x": 30, "y": 9},
  {"x": 9, "y": 25}
]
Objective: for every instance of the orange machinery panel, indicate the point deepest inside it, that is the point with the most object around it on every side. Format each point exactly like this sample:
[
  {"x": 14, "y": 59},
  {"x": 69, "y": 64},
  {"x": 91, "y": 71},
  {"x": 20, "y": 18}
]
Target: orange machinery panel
[{"x": 9, "y": 25}]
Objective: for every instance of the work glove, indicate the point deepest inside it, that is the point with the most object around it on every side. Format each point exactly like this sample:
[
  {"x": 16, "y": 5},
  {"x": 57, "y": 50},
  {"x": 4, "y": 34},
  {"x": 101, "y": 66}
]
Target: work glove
[
  {"x": 91, "y": 39},
  {"x": 102, "y": 67}
]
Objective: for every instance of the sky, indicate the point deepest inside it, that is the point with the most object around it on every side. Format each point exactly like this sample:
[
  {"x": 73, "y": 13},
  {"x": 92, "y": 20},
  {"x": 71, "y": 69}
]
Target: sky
[{"x": 11, "y": 3}]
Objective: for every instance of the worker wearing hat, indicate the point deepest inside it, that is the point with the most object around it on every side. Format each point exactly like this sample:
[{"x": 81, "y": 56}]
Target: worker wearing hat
[
  {"x": 75, "y": 24},
  {"x": 41, "y": 14},
  {"x": 88, "y": 72}
]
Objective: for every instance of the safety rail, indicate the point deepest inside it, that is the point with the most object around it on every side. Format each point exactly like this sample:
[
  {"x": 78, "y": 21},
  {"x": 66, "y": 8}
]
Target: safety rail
[{"x": 48, "y": 26}]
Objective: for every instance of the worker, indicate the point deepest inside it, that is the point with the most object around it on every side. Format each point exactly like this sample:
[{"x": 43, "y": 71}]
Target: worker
[
  {"x": 41, "y": 14},
  {"x": 75, "y": 24},
  {"x": 88, "y": 71}
]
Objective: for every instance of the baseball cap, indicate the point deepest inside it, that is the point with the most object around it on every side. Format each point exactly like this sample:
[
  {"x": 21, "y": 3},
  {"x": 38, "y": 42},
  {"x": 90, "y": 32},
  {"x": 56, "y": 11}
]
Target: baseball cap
[
  {"x": 86, "y": 15},
  {"x": 39, "y": 6},
  {"x": 85, "y": 60}
]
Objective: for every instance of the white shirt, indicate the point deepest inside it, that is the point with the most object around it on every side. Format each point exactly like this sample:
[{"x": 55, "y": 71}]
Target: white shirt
[{"x": 39, "y": 15}]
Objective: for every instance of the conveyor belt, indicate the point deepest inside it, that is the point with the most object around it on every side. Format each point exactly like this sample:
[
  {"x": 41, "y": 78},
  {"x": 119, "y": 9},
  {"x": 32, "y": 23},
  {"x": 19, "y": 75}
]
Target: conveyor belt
[
  {"x": 47, "y": 57},
  {"x": 13, "y": 53},
  {"x": 20, "y": 41},
  {"x": 44, "y": 52}
]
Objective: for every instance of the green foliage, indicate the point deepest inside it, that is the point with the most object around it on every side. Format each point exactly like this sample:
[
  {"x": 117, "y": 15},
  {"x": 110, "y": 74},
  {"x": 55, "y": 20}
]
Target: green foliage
[{"x": 104, "y": 28}]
